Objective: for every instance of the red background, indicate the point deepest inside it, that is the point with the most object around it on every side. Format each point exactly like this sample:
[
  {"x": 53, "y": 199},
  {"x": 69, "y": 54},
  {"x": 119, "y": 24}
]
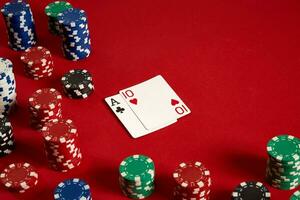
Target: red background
[{"x": 235, "y": 63}]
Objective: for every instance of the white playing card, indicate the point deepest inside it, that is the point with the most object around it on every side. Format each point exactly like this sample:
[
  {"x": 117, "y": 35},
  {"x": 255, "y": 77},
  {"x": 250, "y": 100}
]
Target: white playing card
[
  {"x": 128, "y": 117},
  {"x": 154, "y": 102}
]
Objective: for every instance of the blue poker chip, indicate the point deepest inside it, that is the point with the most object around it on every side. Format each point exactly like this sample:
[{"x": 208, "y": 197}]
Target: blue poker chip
[
  {"x": 15, "y": 8},
  {"x": 72, "y": 189},
  {"x": 72, "y": 17}
]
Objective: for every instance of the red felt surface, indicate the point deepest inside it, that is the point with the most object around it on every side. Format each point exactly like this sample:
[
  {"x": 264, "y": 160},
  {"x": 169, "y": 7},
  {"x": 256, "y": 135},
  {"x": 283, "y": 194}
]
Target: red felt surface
[{"x": 235, "y": 63}]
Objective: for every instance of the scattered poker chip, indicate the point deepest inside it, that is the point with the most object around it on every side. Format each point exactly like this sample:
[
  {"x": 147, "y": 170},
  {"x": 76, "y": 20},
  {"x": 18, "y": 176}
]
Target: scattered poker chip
[
  {"x": 75, "y": 33},
  {"x": 19, "y": 177},
  {"x": 44, "y": 106},
  {"x": 7, "y": 86},
  {"x": 192, "y": 180},
  {"x": 20, "y": 25},
  {"x": 73, "y": 189},
  {"x": 283, "y": 164},
  {"x": 295, "y": 195},
  {"x": 7, "y": 142},
  {"x": 77, "y": 83},
  {"x": 61, "y": 144},
  {"x": 251, "y": 190},
  {"x": 136, "y": 178},
  {"x": 38, "y": 62},
  {"x": 52, "y": 11}
]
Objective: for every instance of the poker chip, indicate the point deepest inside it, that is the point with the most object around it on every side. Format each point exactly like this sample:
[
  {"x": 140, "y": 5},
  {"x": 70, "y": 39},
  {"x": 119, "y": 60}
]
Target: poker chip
[
  {"x": 251, "y": 190},
  {"x": 75, "y": 34},
  {"x": 38, "y": 62},
  {"x": 283, "y": 164},
  {"x": 19, "y": 177},
  {"x": 73, "y": 189},
  {"x": 44, "y": 106},
  {"x": 20, "y": 25},
  {"x": 52, "y": 11},
  {"x": 192, "y": 181},
  {"x": 61, "y": 144},
  {"x": 7, "y": 86},
  {"x": 77, "y": 83},
  {"x": 295, "y": 195},
  {"x": 136, "y": 177},
  {"x": 7, "y": 142}
]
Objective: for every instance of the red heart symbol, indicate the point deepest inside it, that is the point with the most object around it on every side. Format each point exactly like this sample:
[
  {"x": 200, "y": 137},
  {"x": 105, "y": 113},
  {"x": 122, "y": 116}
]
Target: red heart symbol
[
  {"x": 133, "y": 101},
  {"x": 174, "y": 102}
]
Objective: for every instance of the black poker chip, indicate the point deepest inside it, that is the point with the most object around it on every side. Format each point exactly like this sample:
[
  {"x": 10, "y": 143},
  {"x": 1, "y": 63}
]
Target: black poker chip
[
  {"x": 7, "y": 143},
  {"x": 251, "y": 190},
  {"x": 77, "y": 83}
]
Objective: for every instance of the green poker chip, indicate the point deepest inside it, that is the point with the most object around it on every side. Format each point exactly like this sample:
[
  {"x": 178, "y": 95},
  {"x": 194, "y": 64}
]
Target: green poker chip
[
  {"x": 57, "y": 7},
  {"x": 284, "y": 148},
  {"x": 137, "y": 168},
  {"x": 296, "y": 195},
  {"x": 136, "y": 178}
]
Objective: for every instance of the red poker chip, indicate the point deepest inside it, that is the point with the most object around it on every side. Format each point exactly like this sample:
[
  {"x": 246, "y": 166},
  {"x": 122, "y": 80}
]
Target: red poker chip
[
  {"x": 19, "y": 177},
  {"x": 59, "y": 131},
  {"x": 46, "y": 98},
  {"x": 36, "y": 55},
  {"x": 191, "y": 175}
]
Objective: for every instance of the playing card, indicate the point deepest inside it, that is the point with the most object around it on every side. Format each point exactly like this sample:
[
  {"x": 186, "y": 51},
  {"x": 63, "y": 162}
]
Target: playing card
[
  {"x": 154, "y": 102},
  {"x": 128, "y": 117}
]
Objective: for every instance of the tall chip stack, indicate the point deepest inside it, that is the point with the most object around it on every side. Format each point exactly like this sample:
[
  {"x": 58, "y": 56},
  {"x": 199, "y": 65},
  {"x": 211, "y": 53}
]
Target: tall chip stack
[
  {"x": 38, "y": 62},
  {"x": 7, "y": 142},
  {"x": 77, "y": 83},
  {"x": 136, "y": 177},
  {"x": 19, "y": 177},
  {"x": 74, "y": 188},
  {"x": 251, "y": 190},
  {"x": 8, "y": 93},
  {"x": 44, "y": 106},
  {"x": 20, "y": 25},
  {"x": 192, "y": 181},
  {"x": 52, "y": 10},
  {"x": 61, "y": 145},
  {"x": 283, "y": 165},
  {"x": 75, "y": 33}
]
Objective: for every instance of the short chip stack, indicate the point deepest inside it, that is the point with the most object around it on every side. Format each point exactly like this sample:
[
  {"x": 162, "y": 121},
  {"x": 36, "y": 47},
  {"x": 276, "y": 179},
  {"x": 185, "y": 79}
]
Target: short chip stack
[
  {"x": 20, "y": 25},
  {"x": 283, "y": 165},
  {"x": 44, "y": 106},
  {"x": 76, "y": 36},
  {"x": 52, "y": 10},
  {"x": 19, "y": 177},
  {"x": 8, "y": 93},
  {"x": 251, "y": 190},
  {"x": 137, "y": 176},
  {"x": 38, "y": 62},
  {"x": 61, "y": 145},
  {"x": 192, "y": 181},
  {"x": 7, "y": 142},
  {"x": 77, "y": 83},
  {"x": 73, "y": 189}
]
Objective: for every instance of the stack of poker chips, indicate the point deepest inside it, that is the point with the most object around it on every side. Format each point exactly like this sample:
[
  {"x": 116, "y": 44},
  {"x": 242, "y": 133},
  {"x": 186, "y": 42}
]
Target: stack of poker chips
[
  {"x": 283, "y": 165},
  {"x": 20, "y": 25},
  {"x": 52, "y": 10},
  {"x": 44, "y": 106},
  {"x": 251, "y": 190},
  {"x": 6, "y": 136},
  {"x": 38, "y": 62},
  {"x": 19, "y": 177},
  {"x": 74, "y": 188},
  {"x": 75, "y": 33},
  {"x": 137, "y": 176},
  {"x": 61, "y": 145},
  {"x": 77, "y": 83},
  {"x": 192, "y": 181},
  {"x": 7, "y": 86}
]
